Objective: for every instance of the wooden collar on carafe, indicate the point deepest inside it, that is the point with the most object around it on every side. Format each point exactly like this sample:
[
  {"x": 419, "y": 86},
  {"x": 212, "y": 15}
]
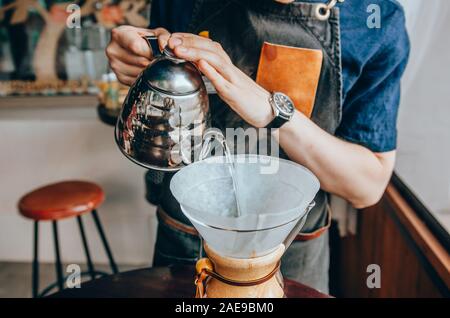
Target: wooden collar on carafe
[{"x": 205, "y": 269}]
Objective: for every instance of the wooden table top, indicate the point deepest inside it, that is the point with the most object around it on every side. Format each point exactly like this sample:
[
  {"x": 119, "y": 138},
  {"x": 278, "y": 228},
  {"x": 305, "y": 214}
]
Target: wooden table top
[{"x": 160, "y": 282}]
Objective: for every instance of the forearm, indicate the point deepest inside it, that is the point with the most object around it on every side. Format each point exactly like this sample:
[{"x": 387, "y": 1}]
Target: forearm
[{"x": 348, "y": 170}]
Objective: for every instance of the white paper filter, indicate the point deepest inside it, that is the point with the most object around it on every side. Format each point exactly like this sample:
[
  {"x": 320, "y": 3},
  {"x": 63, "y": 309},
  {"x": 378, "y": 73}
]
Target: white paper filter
[{"x": 271, "y": 203}]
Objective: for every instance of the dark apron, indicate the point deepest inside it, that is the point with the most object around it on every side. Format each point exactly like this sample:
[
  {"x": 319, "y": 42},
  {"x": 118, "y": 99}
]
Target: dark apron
[{"x": 241, "y": 27}]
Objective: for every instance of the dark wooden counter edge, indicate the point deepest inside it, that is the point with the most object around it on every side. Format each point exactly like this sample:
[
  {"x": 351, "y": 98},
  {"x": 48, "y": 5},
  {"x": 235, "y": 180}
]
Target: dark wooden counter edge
[
  {"x": 160, "y": 282},
  {"x": 426, "y": 242},
  {"x": 59, "y": 101}
]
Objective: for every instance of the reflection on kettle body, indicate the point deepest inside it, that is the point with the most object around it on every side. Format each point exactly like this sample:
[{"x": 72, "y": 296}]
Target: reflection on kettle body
[{"x": 165, "y": 115}]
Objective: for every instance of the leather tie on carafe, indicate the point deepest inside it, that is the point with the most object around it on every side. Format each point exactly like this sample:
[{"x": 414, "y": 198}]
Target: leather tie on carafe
[{"x": 205, "y": 270}]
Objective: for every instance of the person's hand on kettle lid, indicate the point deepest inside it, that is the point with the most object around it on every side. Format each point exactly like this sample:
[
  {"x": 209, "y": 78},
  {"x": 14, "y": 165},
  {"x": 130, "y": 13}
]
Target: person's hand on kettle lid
[{"x": 129, "y": 53}]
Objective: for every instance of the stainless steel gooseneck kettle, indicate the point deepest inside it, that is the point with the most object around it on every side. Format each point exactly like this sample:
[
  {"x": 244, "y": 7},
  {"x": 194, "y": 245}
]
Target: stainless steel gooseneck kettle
[{"x": 165, "y": 113}]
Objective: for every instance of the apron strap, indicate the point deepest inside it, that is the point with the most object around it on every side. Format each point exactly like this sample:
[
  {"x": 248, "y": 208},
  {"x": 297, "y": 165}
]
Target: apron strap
[
  {"x": 302, "y": 237},
  {"x": 173, "y": 223}
]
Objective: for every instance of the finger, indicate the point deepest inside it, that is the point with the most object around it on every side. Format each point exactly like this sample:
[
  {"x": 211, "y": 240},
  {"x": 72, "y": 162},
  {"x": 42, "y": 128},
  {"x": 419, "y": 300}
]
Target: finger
[
  {"x": 215, "y": 60},
  {"x": 162, "y": 34},
  {"x": 126, "y": 69},
  {"x": 159, "y": 32},
  {"x": 131, "y": 40},
  {"x": 126, "y": 80},
  {"x": 115, "y": 52},
  {"x": 221, "y": 85},
  {"x": 190, "y": 40},
  {"x": 163, "y": 37},
  {"x": 196, "y": 41}
]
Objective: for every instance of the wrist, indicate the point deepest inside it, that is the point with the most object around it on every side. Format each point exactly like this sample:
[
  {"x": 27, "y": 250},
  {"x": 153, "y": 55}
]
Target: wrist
[
  {"x": 283, "y": 110},
  {"x": 294, "y": 129},
  {"x": 265, "y": 111}
]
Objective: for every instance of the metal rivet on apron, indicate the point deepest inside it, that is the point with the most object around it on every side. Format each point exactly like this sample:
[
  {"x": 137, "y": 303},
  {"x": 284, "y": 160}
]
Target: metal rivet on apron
[{"x": 323, "y": 10}]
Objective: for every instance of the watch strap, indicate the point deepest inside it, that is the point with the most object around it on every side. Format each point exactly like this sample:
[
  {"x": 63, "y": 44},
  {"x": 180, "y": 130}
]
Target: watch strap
[{"x": 276, "y": 123}]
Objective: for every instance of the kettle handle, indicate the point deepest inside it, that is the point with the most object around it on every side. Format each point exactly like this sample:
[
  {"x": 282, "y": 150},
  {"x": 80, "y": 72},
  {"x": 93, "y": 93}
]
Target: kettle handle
[{"x": 152, "y": 41}]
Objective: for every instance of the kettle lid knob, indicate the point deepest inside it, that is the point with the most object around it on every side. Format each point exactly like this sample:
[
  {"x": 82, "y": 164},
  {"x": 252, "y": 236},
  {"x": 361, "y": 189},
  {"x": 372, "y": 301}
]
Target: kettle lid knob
[{"x": 170, "y": 54}]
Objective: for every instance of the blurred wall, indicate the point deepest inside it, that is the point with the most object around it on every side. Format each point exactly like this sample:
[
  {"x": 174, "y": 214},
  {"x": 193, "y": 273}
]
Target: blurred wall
[
  {"x": 424, "y": 119},
  {"x": 45, "y": 145}
]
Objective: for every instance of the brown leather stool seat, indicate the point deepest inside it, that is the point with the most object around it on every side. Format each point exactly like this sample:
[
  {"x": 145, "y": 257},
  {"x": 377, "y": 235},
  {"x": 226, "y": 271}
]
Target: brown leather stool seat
[{"x": 62, "y": 200}]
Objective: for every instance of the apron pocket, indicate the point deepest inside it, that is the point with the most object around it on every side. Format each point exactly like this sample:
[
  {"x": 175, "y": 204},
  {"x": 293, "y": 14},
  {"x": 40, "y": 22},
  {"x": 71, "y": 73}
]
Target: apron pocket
[{"x": 292, "y": 71}]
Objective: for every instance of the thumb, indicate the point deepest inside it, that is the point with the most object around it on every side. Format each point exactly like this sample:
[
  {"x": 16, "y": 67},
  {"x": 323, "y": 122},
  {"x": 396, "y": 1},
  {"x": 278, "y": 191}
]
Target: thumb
[
  {"x": 163, "y": 37},
  {"x": 131, "y": 39}
]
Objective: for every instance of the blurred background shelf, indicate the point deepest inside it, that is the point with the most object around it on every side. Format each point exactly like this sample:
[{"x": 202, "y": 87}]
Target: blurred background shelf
[{"x": 66, "y": 101}]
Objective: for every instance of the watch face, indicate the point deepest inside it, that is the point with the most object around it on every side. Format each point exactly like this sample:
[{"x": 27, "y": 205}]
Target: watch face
[{"x": 284, "y": 104}]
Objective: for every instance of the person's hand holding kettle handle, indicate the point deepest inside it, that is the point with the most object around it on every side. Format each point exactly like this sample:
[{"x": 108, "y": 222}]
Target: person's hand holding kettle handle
[{"x": 129, "y": 53}]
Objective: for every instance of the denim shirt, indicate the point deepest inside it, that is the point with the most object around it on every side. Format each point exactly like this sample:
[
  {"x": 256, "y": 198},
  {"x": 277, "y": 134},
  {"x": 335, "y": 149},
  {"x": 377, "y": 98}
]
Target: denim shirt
[{"x": 373, "y": 61}]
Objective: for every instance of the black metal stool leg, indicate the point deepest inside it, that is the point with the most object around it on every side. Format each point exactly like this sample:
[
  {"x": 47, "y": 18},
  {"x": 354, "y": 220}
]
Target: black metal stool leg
[
  {"x": 59, "y": 272},
  {"x": 86, "y": 248},
  {"x": 35, "y": 275},
  {"x": 105, "y": 242}
]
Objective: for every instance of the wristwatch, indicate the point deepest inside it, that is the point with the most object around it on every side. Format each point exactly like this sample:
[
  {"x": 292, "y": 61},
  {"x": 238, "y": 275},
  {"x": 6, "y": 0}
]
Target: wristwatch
[{"x": 283, "y": 109}]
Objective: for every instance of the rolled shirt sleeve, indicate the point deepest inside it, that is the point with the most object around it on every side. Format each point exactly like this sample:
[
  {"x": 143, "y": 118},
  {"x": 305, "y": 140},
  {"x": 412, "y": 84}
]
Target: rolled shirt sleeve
[{"x": 371, "y": 105}]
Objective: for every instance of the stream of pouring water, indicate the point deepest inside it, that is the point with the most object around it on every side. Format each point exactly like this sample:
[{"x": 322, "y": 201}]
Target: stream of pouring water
[
  {"x": 234, "y": 179},
  {"x": 229, "y": 161}
]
